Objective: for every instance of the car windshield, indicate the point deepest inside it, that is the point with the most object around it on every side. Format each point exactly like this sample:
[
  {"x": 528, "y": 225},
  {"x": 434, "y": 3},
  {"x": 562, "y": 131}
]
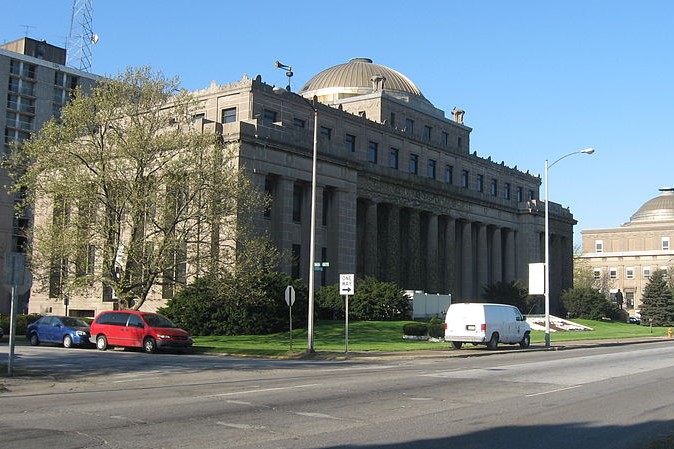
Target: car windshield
[
  {"x": 73, "y": 322},
  {"x": 155, "y": 320}
]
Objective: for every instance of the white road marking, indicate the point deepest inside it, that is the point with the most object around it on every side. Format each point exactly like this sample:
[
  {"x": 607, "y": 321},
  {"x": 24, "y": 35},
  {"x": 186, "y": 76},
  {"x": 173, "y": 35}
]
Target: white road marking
[
  {"x": 262, "y": 390},
  {"x": 317, "y": 415},
  {"x": 552, "y": 391},
  {"x": 241, "y": 426}
]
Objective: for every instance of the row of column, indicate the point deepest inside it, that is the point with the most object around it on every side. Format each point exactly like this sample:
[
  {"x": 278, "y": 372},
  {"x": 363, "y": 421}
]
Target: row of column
[{"x": 431, "y": 252}]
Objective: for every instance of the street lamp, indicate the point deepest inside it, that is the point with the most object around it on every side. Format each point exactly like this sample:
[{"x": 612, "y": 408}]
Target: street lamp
[
  {"x": 547, "y": 242},
  {"x": 312, "y": 231}
]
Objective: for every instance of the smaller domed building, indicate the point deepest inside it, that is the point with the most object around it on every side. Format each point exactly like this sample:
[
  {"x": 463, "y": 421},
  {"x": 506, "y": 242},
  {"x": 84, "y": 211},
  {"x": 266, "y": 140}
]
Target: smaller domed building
[{"x": 626, "y": 256}]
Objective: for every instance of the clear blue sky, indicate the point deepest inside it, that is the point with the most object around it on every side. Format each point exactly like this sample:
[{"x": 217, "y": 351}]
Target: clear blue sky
[{"x": 537, "y": 79}]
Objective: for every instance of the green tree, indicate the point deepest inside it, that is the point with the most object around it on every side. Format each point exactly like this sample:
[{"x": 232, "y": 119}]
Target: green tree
[
  {"x": 588, "y": 303},
  {"x": 657, "y": 305},
  {"x": 230, "y": 305},
  {"x": 128, "y": 193},
  {"x": 513, "y": 293}
]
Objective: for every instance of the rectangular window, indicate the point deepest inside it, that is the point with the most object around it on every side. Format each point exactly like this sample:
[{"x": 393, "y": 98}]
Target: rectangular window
[
  {"x": 464, "y": 179},
  {"x": 327, "y": 199},
  {"x": 409, "y": 126},
  {"x": 493, "y": 187},
  {"x": 597, "y": 274},
  {"x": 299, "y": 123},
  {"x": 479, "y": 183},
  {"x": 665, "y": 243},
  {"x": 296, "y": 261},
  {"x": 393, "y": 158},
  {"x": 506, "y": 190},
  {"x": 229, "y": 115},
  {"x": 392, "y": 123},
  {"x": 647, "y": 272},
  {"x": 372, "y": 152},
  {"x": 449, "y": 174},
  {"x": 269, "y": 117},
  {"x": 269, "y": 184},
  {"x": 520, "y": 195},
  {"x": 531, "y": 195},
  {"x": 613, "y": 272},
  {"x": 431, "y": 169},
  {"x": 413, "y": 166},
  {"x": 629, "y": 272},
  {"x": 350, "y": 143},
  {"x": 327, "y": 132},
  {"x": 427, "y": 132},
  {"x": 598, "y": 246},
  {"x": 445, "y": 138},
  {"x": 298, "y": 193}
]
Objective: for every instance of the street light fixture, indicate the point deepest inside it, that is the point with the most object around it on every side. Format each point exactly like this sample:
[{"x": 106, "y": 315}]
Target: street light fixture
[
  {"x": 547, "y": 242},
  {"x": 312, "y": 232}
]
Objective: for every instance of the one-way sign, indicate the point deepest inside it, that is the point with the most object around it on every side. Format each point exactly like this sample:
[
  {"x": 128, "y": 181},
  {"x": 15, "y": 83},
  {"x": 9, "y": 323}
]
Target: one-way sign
[{"x": 346, "y": 284}]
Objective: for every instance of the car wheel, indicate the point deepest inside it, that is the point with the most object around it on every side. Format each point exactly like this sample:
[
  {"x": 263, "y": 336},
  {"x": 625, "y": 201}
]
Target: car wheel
[
  {"x": 493, "y": 342},
  {"x": 67, "y": 341},
  {"x": 149, "y": 345},
  {"x": 34, "y": 340},
  {"x": 101, "y": 343},
  {"x": 457, "y": 344},
  {"x": 526, "y": 341}
]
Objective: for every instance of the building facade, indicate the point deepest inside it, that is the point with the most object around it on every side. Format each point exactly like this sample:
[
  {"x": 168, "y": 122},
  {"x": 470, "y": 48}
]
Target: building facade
[
  {"x": 626, "y": 256},
  {"x": 400, "y": 196},
  {"x": 34, "y": 85}
]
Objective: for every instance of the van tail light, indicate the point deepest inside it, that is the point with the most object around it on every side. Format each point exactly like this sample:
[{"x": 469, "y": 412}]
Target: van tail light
[
  {"x": 445, "y": 326},
  {"x": 483, "y": 327}
]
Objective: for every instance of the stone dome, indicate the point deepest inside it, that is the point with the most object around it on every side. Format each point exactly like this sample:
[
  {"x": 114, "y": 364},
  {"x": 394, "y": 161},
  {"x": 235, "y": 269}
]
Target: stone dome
[
  {"x": 660, "y": 208},
  {"x": 359, "y": 76}
]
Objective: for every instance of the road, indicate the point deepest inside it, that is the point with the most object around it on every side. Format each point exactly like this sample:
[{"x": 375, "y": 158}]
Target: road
[{"x": 601, "y": 397}]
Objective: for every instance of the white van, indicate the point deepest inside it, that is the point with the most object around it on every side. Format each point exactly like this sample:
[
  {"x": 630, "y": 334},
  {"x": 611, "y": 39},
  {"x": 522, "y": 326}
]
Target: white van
[{"x": 482, "y": 323}]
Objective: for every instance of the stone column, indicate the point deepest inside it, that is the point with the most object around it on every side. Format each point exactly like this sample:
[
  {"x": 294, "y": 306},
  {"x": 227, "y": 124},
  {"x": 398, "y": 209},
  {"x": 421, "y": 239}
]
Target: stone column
[
  {"x": 449, "y": 283},
  {"x": 392, "y": 260},
  {"x": 496, "y": 256},
  {"x": 432, "y": 259},
  {"x": 510, "y": 269},
  {"x": 371, "y": 240},
  {"x": 466, "y": 260},
  {"x": 414, "y": 247},
  {"x": 482, "y": 259}
]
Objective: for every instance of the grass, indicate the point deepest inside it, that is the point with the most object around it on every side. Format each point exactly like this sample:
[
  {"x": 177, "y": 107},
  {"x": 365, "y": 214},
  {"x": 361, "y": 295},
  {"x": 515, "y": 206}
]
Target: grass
[{"x": 386, "y": 336}]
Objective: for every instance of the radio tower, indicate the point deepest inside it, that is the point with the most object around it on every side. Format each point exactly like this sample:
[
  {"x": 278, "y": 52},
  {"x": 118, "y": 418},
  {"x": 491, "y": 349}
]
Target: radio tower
[{"x": 81, "y": 36}]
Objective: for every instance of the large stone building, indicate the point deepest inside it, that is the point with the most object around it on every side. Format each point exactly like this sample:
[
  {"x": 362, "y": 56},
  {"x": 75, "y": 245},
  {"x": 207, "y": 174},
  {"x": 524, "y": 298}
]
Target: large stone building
[
  {"x": 34, "y": 85},
  {"x": 400, "y": 194},
  {"x": 626, "y": 256}
]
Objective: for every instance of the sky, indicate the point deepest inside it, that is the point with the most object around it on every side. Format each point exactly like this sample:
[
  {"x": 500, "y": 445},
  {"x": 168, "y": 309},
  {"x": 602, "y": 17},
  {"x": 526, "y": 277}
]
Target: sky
[{"x": 538, "y": 80}]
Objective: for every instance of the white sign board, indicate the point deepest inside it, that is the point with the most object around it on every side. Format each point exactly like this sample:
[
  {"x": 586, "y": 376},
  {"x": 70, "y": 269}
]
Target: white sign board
[
  {"x": 537, "y": 279},
  {"x": 290, "y": 295},
  {"x": 346, "y": 284}
]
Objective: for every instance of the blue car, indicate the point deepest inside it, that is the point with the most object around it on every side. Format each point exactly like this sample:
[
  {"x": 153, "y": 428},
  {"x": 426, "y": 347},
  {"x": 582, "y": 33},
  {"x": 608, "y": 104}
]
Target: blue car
[{"x": 62, "y": 330}]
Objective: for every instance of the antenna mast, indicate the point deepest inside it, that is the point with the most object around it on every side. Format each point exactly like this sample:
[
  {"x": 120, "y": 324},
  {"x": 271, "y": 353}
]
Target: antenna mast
[{"x": 81, "y": 36}]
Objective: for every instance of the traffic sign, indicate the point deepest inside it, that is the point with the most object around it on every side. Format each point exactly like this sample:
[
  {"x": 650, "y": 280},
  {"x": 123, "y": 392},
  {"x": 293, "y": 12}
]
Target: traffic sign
[
  {"x": 290, "y": 295},
  {"x": 346, "y": 284}
]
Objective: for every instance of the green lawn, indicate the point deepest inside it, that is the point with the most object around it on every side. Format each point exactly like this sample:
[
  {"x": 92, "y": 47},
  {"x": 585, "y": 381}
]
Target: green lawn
[{"x": 386, "y": 336}]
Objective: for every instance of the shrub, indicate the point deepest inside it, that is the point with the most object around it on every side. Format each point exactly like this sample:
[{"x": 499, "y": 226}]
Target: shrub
[
  {"x": 230, "y": 306},
  {"x": 588, "y": 303},
  {"x": 374, "y": 300},
  {"x": 416, "y": 329},
  {"x": 22, "y": 322}
]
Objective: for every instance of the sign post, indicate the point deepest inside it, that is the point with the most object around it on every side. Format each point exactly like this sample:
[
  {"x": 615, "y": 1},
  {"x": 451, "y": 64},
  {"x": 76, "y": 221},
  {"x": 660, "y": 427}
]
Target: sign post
[
  {"x": 346, "y": 288},
  {"x": 290, "y": 300},
  {"x": 15, "y": 277}
]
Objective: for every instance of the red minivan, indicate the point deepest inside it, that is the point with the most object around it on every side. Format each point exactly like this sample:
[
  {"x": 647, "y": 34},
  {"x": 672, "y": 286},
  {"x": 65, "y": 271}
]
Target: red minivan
[{"x": 135, "y": 329}]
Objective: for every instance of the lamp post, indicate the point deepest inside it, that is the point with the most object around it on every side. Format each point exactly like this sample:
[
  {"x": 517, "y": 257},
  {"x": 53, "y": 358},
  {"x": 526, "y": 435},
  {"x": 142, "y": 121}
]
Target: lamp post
[
  {"x": 547, "y": 241},
  {"x": 312, "y": 219}
]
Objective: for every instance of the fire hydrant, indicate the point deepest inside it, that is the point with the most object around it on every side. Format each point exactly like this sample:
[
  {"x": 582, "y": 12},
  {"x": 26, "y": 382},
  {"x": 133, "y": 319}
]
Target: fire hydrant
[{"x": 669, "y": 332}]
